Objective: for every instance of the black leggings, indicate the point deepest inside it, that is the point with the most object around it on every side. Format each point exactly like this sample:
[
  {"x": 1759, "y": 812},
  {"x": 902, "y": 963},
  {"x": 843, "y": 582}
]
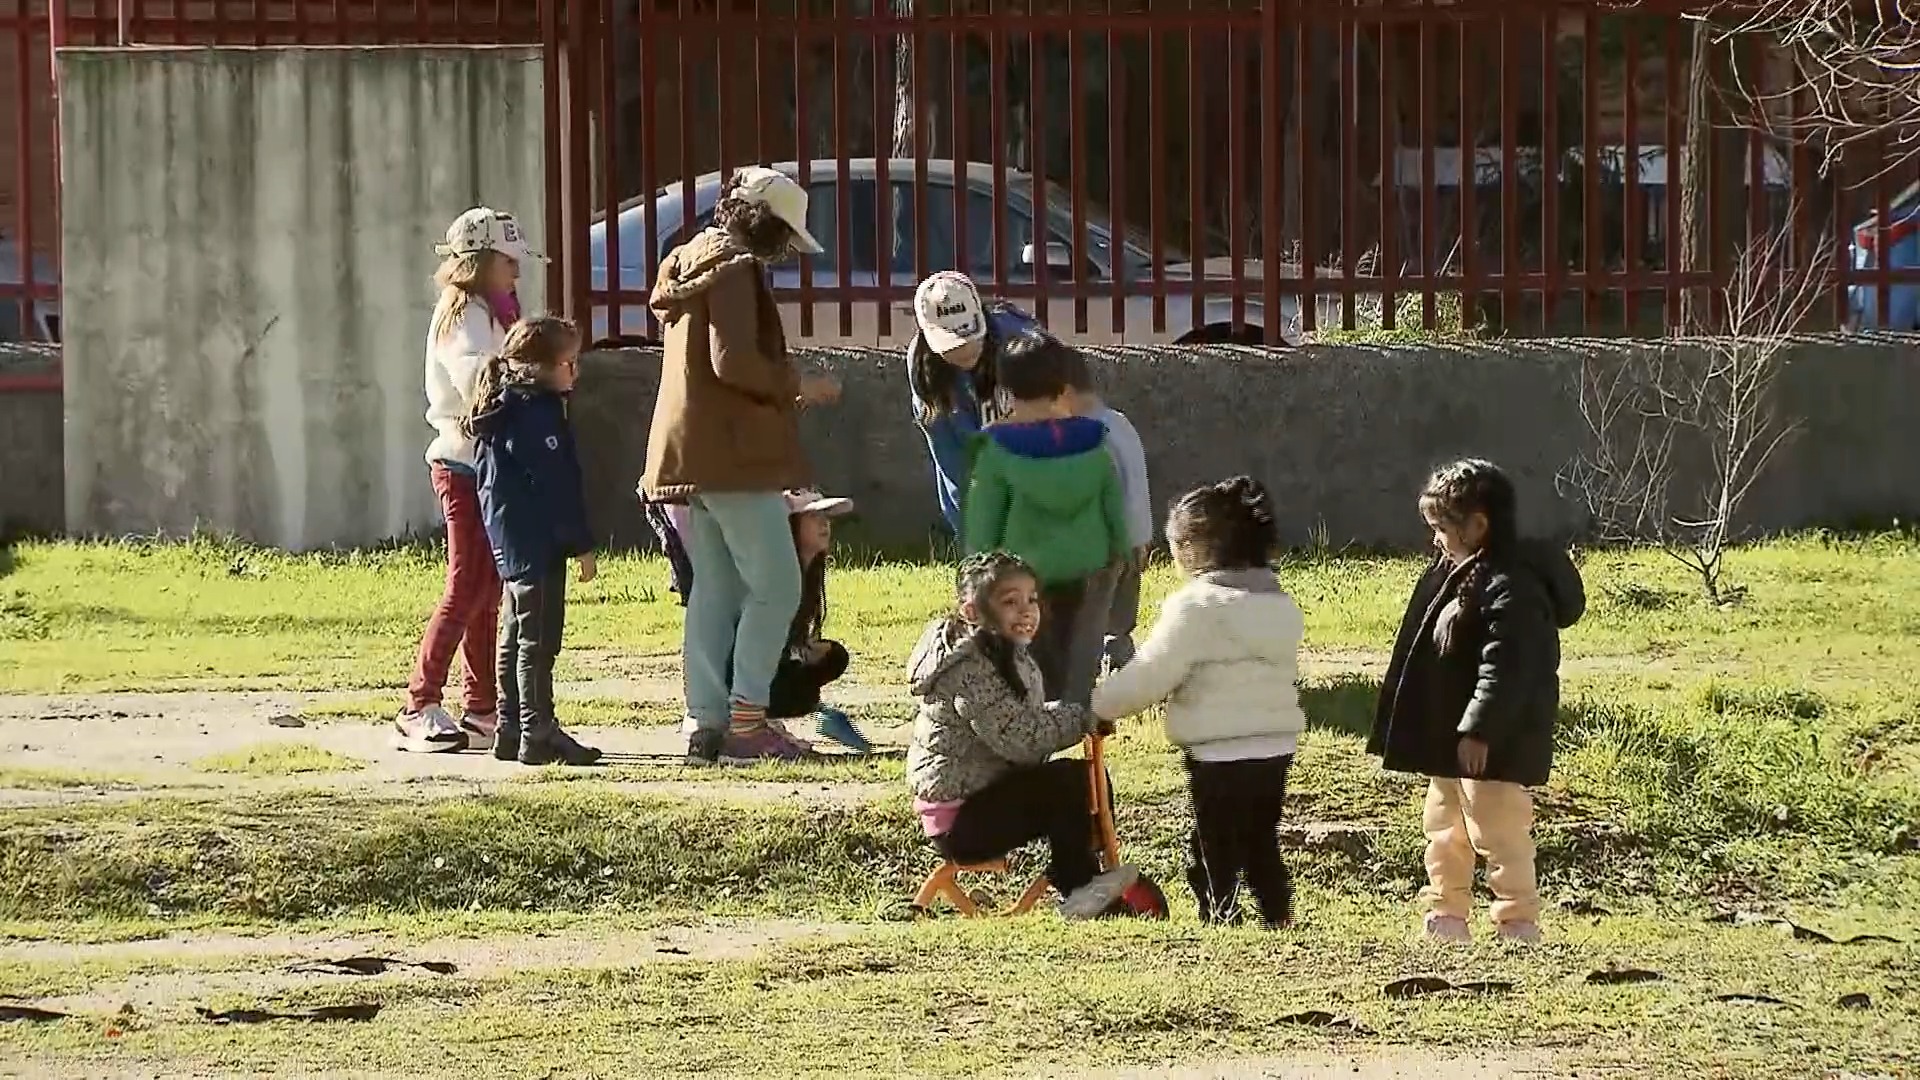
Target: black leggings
[
  {"x": 1028, "y": 802},
  {"x": 533, "y": 615},
  {"x": 1236, "y": 818}
]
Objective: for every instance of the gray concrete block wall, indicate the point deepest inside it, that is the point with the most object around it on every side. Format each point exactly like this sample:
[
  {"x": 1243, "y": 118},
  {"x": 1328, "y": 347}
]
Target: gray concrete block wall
[
  {"x": 247, "y": 239},
  {"x": 1343, "y": 435},
  {"x": 31, "y": 494}
]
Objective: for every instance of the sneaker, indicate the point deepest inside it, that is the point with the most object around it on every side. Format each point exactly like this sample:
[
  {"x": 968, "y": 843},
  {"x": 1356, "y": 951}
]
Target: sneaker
[
  {"x": 480, "y": 729},
  {"x": 703, "y": 747},
  {"x": 763, "y": 743},
  {"x": 837, "y": 726},
  {"x": 1519, "y": 931},
  {"x": 1448, "y": 928},
  {"x": 549, "y": 744},
  {"x": 428, "y": 731},
  {"x": 1090, "y": 901}
]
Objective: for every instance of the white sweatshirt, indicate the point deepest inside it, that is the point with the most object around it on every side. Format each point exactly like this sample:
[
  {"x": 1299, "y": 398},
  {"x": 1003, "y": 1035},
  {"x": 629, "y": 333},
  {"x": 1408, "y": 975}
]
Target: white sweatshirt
[
  {"x": 1224, "y": 655},
  {"x": 453, "y": 366}
]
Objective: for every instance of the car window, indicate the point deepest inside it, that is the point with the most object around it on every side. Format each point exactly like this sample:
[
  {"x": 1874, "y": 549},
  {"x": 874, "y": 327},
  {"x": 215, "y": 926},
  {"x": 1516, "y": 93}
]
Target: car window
[
  {"x": 10, "y": 320},
  {"x": 1016, "y": 233},
  {"x": 823, "y": 221},
  {"x": 940, "y": 252}
]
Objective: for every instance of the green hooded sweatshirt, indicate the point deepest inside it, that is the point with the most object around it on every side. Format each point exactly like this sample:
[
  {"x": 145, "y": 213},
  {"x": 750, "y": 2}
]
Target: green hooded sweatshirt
[{"x": 1047, "y": 492}]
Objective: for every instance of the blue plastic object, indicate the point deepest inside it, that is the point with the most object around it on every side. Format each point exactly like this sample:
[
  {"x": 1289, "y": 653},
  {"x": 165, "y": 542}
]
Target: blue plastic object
[
  {"x": 836, "y": 725},
  {"x": 1903, "y": 253}
]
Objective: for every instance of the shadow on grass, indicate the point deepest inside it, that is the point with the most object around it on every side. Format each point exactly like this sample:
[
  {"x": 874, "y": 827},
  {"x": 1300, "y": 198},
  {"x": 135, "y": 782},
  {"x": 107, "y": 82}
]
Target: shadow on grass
[{"x": 1341, "y": 703}]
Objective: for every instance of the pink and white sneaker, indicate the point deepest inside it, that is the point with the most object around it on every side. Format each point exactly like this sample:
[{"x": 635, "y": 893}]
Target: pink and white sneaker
[
  {"x": 429, "y": 731},
  {"x": 763, "y": 743},
  {"x": 1448, "y": 928},
  {"x": 1519, "y": 931},
  {"x": 480, "y": 729}
]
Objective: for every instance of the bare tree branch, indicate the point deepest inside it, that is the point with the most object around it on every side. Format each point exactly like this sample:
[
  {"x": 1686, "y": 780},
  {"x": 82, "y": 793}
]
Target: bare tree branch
[
  {"x": 1650, "y": 411},
  {"x": 1856, "y": 72}
]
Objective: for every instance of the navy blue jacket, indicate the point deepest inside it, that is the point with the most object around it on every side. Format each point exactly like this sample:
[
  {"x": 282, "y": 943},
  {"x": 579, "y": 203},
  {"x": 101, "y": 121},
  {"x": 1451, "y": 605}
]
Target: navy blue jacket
[{"x": 529, "y": 478}]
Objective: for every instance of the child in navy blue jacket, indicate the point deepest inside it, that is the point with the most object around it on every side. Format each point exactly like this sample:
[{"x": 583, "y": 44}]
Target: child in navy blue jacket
[{"x": 536, "y": 518}]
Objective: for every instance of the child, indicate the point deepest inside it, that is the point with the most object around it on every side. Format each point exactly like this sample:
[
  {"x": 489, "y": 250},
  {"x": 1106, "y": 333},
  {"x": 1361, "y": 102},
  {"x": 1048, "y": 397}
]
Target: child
[
  {"x": 979, "y": 765},
  {"x": 1471, "y": 692},
  {"x": 1224, "y": 656},
  {"x": 1130, "y": 459},
  {"x": 1044, "y": 488},
  {"x": 810, "y": 661},
  {"x": 536, "y": 515},
  {"x": 481, "y": 262},
  {"x": 952, "y": 372}
]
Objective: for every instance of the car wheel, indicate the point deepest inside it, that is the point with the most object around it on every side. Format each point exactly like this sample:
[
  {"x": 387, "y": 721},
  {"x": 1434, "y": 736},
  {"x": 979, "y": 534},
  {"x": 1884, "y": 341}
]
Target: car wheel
[{"x": 1226, "y": 334}]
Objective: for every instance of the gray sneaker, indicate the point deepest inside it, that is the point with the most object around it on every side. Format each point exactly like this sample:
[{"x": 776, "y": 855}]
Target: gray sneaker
[
  {"x": 1448, "y": 928},
  {"x": 1090, "y": 901}
]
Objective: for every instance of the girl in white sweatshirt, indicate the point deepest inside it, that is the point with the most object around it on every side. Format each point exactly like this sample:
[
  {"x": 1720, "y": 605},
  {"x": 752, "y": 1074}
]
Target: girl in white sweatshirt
[
  {"x": 482, "y": 256},
  {"x": 1224, "y": 656}
]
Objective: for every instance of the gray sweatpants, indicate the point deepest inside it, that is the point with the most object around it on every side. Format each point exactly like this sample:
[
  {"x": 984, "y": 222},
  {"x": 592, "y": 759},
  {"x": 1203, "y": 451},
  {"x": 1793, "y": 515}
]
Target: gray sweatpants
[
  {"x": 1124, "y": 616},
  {"x": 1073, "y": 632}
]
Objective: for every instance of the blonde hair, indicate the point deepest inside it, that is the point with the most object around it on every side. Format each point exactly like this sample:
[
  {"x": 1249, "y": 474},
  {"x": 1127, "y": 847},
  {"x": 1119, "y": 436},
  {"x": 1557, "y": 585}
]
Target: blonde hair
[
  {"x": 533, "y": 345},
  {"x": 459, "y": 279}
]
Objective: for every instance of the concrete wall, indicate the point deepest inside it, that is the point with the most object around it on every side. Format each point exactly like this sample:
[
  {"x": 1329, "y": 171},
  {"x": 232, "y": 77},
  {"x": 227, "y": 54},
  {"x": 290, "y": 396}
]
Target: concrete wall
[
  {"x": 247, "y": 253},
  {"x": 1344, "y": 436}
]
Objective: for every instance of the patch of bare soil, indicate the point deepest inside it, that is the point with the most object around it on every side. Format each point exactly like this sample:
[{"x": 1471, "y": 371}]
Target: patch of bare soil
[{"x": 273, "y": 964}]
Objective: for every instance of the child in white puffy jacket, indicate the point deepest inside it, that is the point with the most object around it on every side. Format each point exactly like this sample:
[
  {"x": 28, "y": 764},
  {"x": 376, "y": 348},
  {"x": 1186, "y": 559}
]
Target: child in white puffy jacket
[{"x": 1224, "y": 656}]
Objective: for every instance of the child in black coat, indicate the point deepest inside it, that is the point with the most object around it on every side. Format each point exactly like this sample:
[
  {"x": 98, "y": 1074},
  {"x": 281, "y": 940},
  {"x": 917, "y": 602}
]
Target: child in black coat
[
  {"x": 536, "y": 519},
  {"x": 1471, "y": 695}
]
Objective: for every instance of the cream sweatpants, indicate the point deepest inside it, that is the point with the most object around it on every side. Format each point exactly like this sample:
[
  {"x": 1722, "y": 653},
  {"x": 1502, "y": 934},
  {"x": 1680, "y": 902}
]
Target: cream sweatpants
[{"x": 1489, "y": 819}]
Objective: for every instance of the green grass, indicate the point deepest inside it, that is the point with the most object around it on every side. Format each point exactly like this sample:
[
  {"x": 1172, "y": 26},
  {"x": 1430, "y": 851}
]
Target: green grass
[
  {"x": 33, "y": 778},
  {"x": 144, "y": 615},
  {"x": 1760, "y": 756},
  {"x": 954, "y": 999},
  {"x": 279, "y": 759}
]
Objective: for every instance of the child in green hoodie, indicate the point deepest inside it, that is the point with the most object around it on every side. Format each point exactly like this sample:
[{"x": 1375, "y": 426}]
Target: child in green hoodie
[{"x": 1043, "y": 487}]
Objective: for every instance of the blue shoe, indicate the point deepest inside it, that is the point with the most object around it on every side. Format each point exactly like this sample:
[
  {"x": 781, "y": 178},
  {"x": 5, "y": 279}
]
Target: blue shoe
[{"x": 835, "y": 725}]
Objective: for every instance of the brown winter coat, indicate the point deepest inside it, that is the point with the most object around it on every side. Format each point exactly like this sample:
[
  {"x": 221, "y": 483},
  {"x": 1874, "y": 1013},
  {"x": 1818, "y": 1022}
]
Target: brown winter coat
[{"x": 727, "y": 416}]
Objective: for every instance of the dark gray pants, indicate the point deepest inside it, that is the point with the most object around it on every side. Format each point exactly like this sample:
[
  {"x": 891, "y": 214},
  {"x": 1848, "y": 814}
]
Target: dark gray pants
[
  {"x": 533, "y": 616},
  {"x": 1073, "y": 633},
  {"x": 1124, "y": 617}
]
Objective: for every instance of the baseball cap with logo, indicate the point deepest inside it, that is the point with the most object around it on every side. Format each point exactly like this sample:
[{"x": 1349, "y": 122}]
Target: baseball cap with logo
[
  {"x": 787, "y": 200},
  {"x": 486, "y": 229},
  {"x": 949, "y": 310}
]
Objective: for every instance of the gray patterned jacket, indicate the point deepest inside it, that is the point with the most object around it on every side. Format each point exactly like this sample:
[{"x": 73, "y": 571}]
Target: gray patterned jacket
[{"x": 971, "y": 726}]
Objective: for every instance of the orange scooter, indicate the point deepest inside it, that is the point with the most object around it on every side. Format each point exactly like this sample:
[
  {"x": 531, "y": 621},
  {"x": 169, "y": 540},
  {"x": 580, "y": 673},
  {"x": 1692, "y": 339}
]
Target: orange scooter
[{"x": 1142, "y": 899}]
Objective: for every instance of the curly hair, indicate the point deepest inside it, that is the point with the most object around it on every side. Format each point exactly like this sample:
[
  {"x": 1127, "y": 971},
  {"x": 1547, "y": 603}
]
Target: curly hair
[
  {"x": 1225, "y": 526},
  {"x": 974, "y": 583},
  {"x": 533, "y": 345},
  {"x": 1454, "y": 493},
  {"x": 752, "y": 223}
]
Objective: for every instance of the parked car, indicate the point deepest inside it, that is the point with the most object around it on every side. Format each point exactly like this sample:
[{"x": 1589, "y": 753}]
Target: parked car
[
  {"x": 1903, "y": 253},
  {"x": 23, "y": 320},
  {"x": 1100, "y": 262}
]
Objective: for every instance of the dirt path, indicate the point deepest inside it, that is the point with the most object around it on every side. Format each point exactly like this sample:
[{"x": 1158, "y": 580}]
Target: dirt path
[
  {"x": 273, "y": 964},
  {"x": 61, "y": 749},
  {"x": 1385, "y": 1065}
]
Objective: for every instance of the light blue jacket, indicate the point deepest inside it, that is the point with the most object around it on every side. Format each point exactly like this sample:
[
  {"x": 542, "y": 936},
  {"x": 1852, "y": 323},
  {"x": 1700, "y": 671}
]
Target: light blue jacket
[{"x": 1130, "y": 458}]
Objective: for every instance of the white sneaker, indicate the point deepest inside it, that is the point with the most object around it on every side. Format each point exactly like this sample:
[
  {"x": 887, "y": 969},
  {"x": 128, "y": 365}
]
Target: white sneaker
[
  {"x": 429, "y": 731},
  {"x": 480, "y": 729},
  {"x": 1090, "y": 901}
]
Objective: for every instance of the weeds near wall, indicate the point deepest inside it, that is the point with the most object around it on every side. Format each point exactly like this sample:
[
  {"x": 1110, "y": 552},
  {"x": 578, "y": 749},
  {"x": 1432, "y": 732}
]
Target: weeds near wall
[{"x": 1709, "y": 400}]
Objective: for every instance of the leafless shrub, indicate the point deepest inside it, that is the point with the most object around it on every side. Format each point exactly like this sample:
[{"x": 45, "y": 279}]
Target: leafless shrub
[{"x": 1655, "y": 410}]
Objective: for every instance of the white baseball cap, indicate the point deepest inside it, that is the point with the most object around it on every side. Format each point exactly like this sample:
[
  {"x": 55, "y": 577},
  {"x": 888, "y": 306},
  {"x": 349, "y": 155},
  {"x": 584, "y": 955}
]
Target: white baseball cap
[
  {"x": 486, "y": 229},
  {"x": 807, "y": 501},
  {"x": 787, "y": 200},
  {"x": 949, "y": 310}
]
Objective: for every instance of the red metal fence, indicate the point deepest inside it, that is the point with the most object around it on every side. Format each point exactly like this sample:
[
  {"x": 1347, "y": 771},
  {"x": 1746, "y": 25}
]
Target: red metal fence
[
  {"x": 1206, "y": 165},
  {"x": 1132, "y": 169}
]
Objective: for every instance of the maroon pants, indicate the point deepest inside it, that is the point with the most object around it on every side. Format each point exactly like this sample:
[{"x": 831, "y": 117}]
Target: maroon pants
[{"x": 467, "y": 616}]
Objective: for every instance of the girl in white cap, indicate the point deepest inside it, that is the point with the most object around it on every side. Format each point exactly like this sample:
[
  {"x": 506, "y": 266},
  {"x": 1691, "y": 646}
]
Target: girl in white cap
[
  {"x": 481, "y": 260},
  {"x": 952, "y": 372},
  {"x": 726, "y": 441}
]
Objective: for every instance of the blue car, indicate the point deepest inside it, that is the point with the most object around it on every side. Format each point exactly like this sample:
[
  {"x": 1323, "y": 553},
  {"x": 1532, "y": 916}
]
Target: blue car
[{"x": 1903, "y": 253}]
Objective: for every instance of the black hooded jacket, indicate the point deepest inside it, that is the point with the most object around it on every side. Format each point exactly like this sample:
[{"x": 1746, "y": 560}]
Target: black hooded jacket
[{"x": 1498, "y": 675}]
